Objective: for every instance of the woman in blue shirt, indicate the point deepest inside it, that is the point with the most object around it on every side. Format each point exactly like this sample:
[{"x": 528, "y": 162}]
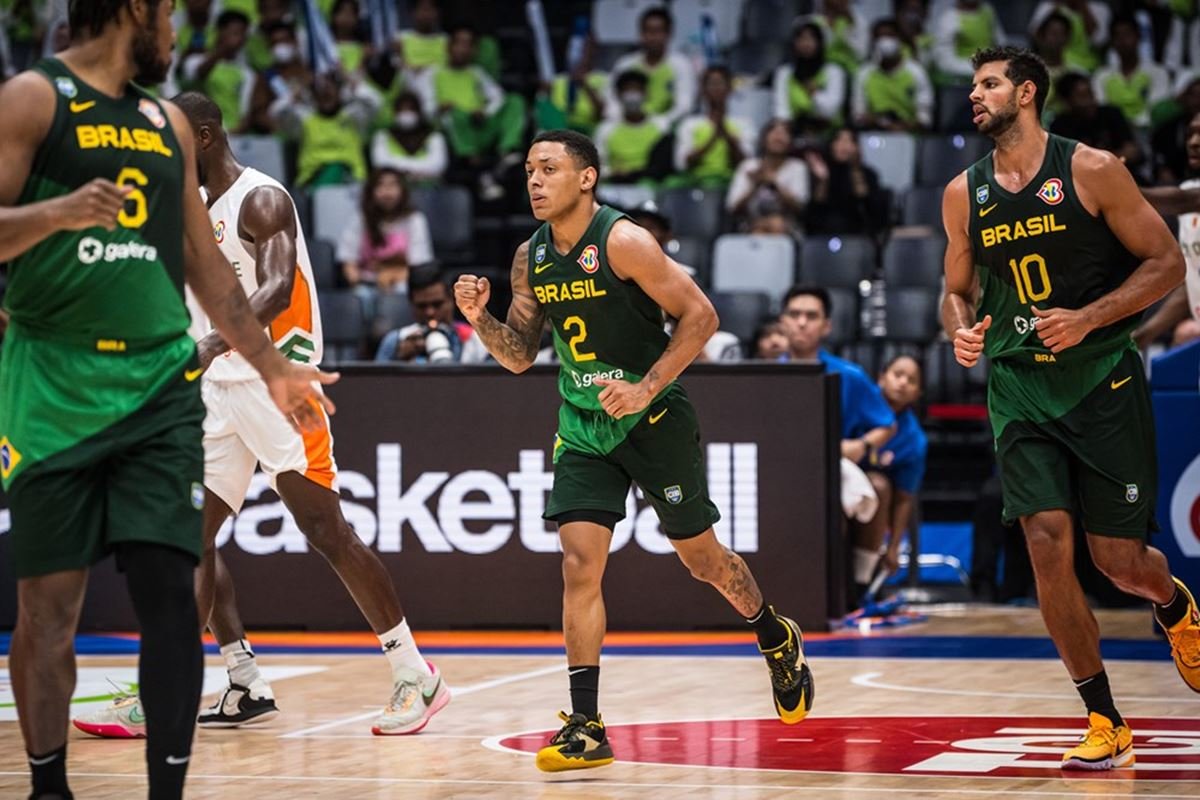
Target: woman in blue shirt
[{"x": 902, "y": 459}]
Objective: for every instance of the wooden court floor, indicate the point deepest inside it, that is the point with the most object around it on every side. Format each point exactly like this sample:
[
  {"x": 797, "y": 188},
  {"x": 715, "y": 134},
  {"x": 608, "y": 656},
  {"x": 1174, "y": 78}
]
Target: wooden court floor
[{"x": 921, "y": 725}]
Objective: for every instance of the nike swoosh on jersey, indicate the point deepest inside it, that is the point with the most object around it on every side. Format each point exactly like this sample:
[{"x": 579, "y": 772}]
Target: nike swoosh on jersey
[
  {"x": 77, "y": 108},
  {"x": 983, "y": 212},
  {"x": 192, "y": 374},
  {"x": 1114, "y": 385},
  {"x": 654, "y": 418},
  {"x": 538, "y": 270}
]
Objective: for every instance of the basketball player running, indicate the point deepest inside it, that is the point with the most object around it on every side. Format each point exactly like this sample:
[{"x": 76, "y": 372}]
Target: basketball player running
[
  {"x": 100, "y": 410},
  {"x": 257, "y": 229},
  {"x": 1052, "y": 255},
  {"x": 603, "y": 283}
]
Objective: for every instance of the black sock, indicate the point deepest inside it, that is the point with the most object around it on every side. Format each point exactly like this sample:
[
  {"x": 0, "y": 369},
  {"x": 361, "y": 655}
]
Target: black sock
[
  {"x": 770, "y": 630},
  {"x": 1175, "y": 610},
  {"x": 1097, "y": 696},
  {"x": 585, "y": 690},
  {"x": 50, "y": 774},
  {"x": 171, "y": 665}
]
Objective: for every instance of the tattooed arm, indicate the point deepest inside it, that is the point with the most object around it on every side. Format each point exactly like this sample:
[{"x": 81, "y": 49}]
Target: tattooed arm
[{"x": 515, "y": 345}]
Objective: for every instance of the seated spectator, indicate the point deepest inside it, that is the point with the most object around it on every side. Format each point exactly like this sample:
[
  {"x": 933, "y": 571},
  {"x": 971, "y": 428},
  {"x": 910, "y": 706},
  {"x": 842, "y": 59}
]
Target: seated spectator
[
  {"x": 378, "y": 249},
  {"x": 1089, "y": 28},
  {"x": 1050, "y": 42},
  {"x": 846, "y": 198},
  {"x": 770, "y": 341},
  {"x": 1084, "y": 119},
  {"x": 965, "y": 27},
  {"x": 331, "y": 131},
  {"x": 892, "y": 93},
  {"x": 846, "y": 33},
  {"x": 670, "y": 76},
  {"x": 911, "y": 22},
  {"x": 410, "y": 144},
  {"x": 810, "y": 90},
  {"x": 868, "y": 422},
  {"x": 579, "y": 98},
  {"x": 1134, "y": 86},
  {"x": 221, "y": 72},
  {"x": 710, "y": 145},
  {"x": 345, "y": 25},
  {"x": 286, "y": 76},
  {"x": 424, "y": 45},
  {"x": 897, "y": 470},
  {"x": 1169, "y": 141},
  {"x": 435, "y": 338},
  {"x": 194, "y": 31},
  {"x": 625, "y": 143},
  {"x": 264, "y": 14},
  {"x": 768, "y": 194},
  {"x": 484, "y": 126}
]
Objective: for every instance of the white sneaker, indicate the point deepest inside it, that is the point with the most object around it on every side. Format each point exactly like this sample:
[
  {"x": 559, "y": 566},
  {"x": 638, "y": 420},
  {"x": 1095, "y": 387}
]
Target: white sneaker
[
  {"x": 415, "y": 699},
  {"x": 123, "y": 719},
  {"x": 240, "y": 705}
]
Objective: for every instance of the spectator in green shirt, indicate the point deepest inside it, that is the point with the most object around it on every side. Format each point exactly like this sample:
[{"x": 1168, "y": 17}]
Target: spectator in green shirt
[
  {"x": 625, "y": 143},
  {"x": 347, "y": 34},
  {"x": 671, "y": 78},
  {"x": 809, "y": 90},
  {"x": 892, "y": 93},
  {"x": 424, "y": 45},
  {"x": 965, "y": 27},
  {"x": 222, "y": 73},
  {"x": 1134, "y": 86},
  {"x": 582, "y": 109},
  {"x": 286, "y": 76},
  {"x": 410, "y": 144},
  {"x": 710, "y": 145},
  {"x": 330, "y": 128},
  {"x": 1089, "y": 28},
  {"x": 846, "y": 33}
]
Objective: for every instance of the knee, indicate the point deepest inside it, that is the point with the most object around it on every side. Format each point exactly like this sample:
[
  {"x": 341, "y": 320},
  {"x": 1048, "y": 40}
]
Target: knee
[
  {"x": 581, "y": 573},
  {"x": 327, "y": 536},
  {"x": 46, "y": 620},
  {"x": 1047, "y": 536}
]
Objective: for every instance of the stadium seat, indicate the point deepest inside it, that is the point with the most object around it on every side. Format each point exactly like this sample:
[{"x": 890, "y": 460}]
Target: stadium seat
[
  {"x": 914, "y": 261},
  {"x": 844, "y": 316},
  {"x": 753, "y": 103},
  {"x": 940, "y": 158},
  {"x": 912, "y": 313},
  {"x": 692, "y": 211},
  {"x": 741, "y": 312},
  {"x": 754, "y": 262},
  {"x": 892, "y": 155},
  {"x": 765, "y": 20},
  {"x": 303, "y": 204},
  {"x": 451, "y": 220},
  {"x": 692, "y": 253},
  {"x": 725, "y": 14},
  {"x": 392, "y": 311},
  {"x": 836, "y": 261},
  {"x": 954, "y": 109},
  {"x": 324, "y": 263},
  {"x": 616, "y": 21},
  {"x": 627, "y": 196},
  {"x": 333, "y": 208},
  {"x": 342, "y": 324},
  {"x": 923, "y": 206},
  {"x": 1014, "y": 16},
  {"x": 755, "y": 59},
  {"x": 264, "y": 153}
]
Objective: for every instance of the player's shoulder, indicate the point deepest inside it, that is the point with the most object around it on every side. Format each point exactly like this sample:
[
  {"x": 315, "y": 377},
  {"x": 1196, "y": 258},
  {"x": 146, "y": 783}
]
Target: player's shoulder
[
  {"x": 521, "y": 255},
  {"x": 1087, "y": 161},
  {"x": 33, "y": 93}
]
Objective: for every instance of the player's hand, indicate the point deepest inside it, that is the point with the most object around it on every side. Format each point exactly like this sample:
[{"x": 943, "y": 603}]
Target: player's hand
[
  {"x": 854, "y": 449},
  {"x": 1060, "y": 328},
  {"x": 97, "y": 203},
  {"x": 471, "y": 293},
  {"x": 296, "y": 390},
  {"x": 622, "y": 398},
  {"x": 968, "y": 342}
]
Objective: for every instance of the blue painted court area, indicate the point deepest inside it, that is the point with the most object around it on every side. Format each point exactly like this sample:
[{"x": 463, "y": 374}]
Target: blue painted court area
[{"x": 849, "y": 646}]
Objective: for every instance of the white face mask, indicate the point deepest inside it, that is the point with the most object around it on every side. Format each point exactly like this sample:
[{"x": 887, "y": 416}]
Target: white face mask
[
  {"x": 284, "y": 53},
  {"x": 633, "y": 101},
  {"x": 407, "y": 120},
  {"x": 887, "y": 47}
]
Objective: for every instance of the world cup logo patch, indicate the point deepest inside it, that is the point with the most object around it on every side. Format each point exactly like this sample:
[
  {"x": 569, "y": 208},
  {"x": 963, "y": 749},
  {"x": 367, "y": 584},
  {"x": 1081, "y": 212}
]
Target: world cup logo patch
[
  {"x": 1051, "y": 192},
  {"x": 219, "y": 231},
  {"x": 590, "y": 259}
]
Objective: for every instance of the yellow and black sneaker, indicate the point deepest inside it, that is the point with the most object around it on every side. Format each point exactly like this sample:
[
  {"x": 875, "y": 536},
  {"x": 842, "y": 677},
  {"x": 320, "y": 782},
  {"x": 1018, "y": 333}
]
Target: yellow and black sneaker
[
  {"x": 1184, "y": 636},
  {"x": 1102, "y": 747},
  {"x": 791, "y": 679},
  {"x": 580, "y": 744}
]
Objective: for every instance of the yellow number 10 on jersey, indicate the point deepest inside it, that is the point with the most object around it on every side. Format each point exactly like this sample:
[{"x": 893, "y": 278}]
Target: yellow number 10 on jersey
[
  {"x": 1023, "y": 279},
  {"x": 133, "y": 178}
]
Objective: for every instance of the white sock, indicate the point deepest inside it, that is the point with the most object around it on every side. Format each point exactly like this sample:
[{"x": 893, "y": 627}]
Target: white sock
[
  {"x": 401, "y": 650},
  {"x": 239, "y": 661},
  {"x": 864, "y": 564}
]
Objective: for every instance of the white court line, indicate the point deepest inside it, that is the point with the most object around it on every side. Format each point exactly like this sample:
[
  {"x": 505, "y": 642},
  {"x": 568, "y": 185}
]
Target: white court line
[
  {"x": 869, "y": 680},
  {"x": 592, "y": 786},
  {"x": 459, "y": 692},
  {"x": 863, "y": 741}
]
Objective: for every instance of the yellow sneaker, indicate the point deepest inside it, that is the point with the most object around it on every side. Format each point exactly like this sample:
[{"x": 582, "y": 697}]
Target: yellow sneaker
[
  {"x": 1185, "y": 641},
  {"x": 1102, "y": 747},
  {"x": 580, "y": 744}
]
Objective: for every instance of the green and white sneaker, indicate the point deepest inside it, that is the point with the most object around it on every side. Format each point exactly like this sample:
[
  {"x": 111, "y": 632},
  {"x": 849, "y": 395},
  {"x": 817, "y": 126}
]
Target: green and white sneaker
[
  {"x": 415, "y": 699},
  {"x": 123, "y": 719}
]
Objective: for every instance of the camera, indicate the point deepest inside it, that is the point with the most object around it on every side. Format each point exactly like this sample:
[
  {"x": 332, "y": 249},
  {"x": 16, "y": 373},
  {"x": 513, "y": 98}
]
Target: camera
[{"x": 437, "y": 346}]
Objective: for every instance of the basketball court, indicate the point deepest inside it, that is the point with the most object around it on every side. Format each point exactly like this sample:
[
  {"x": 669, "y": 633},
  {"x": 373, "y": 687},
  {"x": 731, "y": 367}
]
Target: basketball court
[{"x": 971, "y": 702}]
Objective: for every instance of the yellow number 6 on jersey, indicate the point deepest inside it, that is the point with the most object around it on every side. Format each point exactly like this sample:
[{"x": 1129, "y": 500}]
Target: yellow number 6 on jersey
[{"x": 133, "y": 178}]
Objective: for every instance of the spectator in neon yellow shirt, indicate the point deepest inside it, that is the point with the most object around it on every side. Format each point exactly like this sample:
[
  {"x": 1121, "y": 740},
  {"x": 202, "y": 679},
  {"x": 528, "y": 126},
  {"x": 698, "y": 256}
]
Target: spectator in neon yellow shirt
[
  {"x": 584, "y": 109},
  {"x": 424, "y": 45},
  {"x": 222, "y": 72},
  {"x": 962, "y": 29},
  {"x": 892, "y": 93},
  {"x": 625, "y": 143},
  {"x": 330, "y": 128},
  {"x": 1089, "y": 28},
  {"x": 671, "y": 78},
  {"x": 809, "y": 87},
  {"x": 347, "y": 34},
  {"x": 846, "y": 33},
  {"x": 709, "y": 146},
  {"x": 1134, "y": 86}
]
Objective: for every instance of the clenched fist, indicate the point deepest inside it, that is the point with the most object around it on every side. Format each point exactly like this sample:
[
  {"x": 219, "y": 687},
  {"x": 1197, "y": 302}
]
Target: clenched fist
[
  {"x": 97, "y": 202},
  {"x": 471, "y": 293}
]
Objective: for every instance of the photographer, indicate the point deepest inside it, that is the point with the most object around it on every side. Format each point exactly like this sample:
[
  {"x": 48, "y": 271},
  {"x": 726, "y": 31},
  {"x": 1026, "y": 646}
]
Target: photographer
[{"x": 435, "y": 338}]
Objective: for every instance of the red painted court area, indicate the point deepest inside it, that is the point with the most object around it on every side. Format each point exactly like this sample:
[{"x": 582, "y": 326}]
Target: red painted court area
[{"x": 1012, "y": 747}]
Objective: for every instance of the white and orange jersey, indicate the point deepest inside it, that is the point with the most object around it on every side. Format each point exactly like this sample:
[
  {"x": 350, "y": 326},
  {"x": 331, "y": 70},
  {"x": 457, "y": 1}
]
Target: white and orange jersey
[
  {"x": 297, "y": 331},
  {"x": 1189, "y": 241}
]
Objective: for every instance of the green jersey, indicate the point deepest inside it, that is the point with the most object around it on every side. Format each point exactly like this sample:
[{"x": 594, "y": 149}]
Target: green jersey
[
  {"x": 604, "y": 328},
  {"x": 98, "y": 320},
  {"x": 1041, "y": 247}
]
